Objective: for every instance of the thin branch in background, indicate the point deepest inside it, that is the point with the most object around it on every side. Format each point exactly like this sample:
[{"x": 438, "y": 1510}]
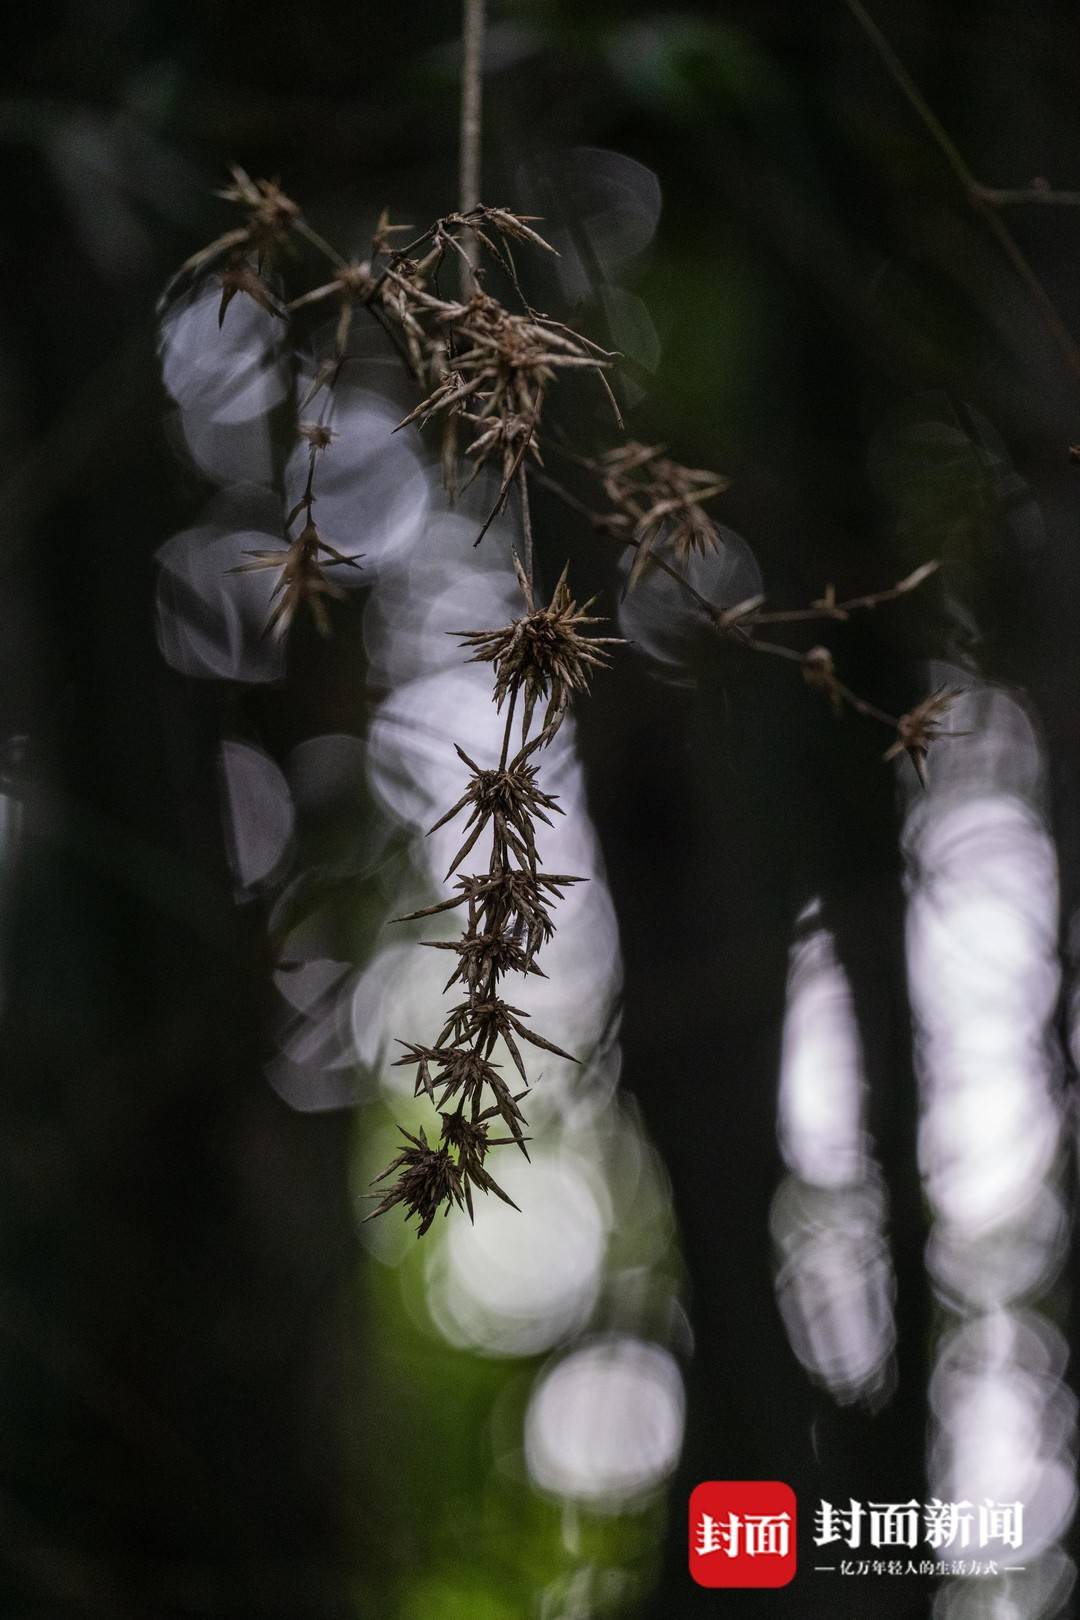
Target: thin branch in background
[
  {"x": 472, "y": 80},
  {"x": 1038, "y": 193},
  {"x": 982, "y": 198}
]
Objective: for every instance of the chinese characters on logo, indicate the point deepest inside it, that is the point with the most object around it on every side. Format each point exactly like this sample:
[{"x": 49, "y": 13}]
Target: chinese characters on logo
[
  {"x": 907, "y": 1524},
  {"x": 742, "y": 1533}
]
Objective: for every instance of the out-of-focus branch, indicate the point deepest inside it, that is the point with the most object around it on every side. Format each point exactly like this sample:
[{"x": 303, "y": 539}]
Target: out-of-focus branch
[
  {"x": 1037, "y": 192},
  {"x": 982, "y": 198},
  {"x": 472, "y": 78}
]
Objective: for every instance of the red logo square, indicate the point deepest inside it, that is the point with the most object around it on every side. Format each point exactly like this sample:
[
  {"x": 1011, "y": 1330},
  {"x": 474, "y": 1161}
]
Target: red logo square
[{"x": 742, "y": 1533}]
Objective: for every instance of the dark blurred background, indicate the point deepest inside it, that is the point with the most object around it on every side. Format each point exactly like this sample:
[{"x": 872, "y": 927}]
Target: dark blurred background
[{"x": 217, "y": 1396}]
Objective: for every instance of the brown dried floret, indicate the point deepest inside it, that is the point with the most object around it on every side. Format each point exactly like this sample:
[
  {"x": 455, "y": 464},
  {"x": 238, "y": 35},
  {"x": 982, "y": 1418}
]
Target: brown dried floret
[
  {"x": 543, "y": 655},
  {"x": 465, "y": 1074},
  {"x": 482, "y": 1023},
  {"x": 316, "y": 435},
  {"x": 429, "y": 1180},
  {"x": 351, "y": 284},
  {"x": 270, "y": 213},
  {"x": 502, "y": 364},
  {"x": 658, "y": 501},
  {"x": 270, "y": 216},
  {"x": 471, "y": 1142},
  {"x": 460, "y": 1071},
  {"x": 917, "y": 729},
  {"x": 483, "y": 957},
  {"x": 302, "y": 577},
  {"x": 509, "y": 897},
  {"x": 241, "y": 278},
  {"x": 819, "y": 671},
  {"x": 509, "y": 798}
]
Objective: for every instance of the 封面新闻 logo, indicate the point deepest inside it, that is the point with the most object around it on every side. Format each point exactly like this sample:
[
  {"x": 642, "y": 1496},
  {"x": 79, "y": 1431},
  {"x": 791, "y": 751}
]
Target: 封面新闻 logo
[{"x": 742, "y": 1533}]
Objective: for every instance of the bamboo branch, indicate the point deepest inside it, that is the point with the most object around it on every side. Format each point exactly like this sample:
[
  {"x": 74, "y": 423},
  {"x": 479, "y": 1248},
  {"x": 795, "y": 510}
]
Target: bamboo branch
[
  {"x": 472, "y": 41},
  {"x": 982, "y": 198}
]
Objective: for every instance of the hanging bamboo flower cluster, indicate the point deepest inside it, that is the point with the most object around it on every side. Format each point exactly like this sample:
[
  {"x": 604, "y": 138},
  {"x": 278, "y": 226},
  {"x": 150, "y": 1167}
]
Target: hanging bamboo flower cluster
[
  {"x": 543, "y": 655},
  {"x": 485, "y": 373}
]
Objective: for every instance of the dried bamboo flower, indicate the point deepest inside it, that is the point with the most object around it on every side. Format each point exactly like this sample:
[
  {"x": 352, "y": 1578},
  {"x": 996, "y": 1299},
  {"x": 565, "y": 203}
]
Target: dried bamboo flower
[
  {"x": 471, "y": 1142},
  {"x": 819, "y": 671},
  {"x": 302, "y": 577},
  {"x": 508, "y": 907},
  {"x": 510, "y": 798},
  {"x": 482, "y": 958},
  {"x": 510, "y": 438},
  {"x": 429, "y": 1180},
  {"x": 463, "y": 1073},
  {"x": 658, "y": 501},
  {"x": 543, "y": 655},
  {"x": 499, "y": 365},
  {"x": 355, "y": 280},
  {"x": 270, "y": 216},
  {"x": 482, "y": 1023},
  {"x": 919, "y": 728},
  {"x": 516, "y": 898},
  {"x": 241, "y": 278},
  {"x": 316, "y": 434},
  {"x": 270, "y": 213},
  {"x": 505, "y": 223},
  {"x": 353, "y": 283}
]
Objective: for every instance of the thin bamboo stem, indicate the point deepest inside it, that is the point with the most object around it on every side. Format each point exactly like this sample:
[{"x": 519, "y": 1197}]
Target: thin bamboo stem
[{"x": 472, "y": 77}]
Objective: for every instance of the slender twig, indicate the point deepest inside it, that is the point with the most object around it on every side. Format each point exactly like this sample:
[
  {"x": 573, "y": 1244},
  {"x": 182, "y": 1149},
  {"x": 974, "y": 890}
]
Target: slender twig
[
  {"x": 472, "y": 44},
  {"x": 737, "y": 624},
  {"x": 906, "y": 84},
  {"x": 861, "y": 706},
  {"x": 517, "y": 468},
  {"x": 976, "y": 193},
  {"x": 1009, "y": 197},
  {"x": 526, "y": 522},
  {"x": 506, "y": 733},
  {"x": 829, "y": 608}
]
